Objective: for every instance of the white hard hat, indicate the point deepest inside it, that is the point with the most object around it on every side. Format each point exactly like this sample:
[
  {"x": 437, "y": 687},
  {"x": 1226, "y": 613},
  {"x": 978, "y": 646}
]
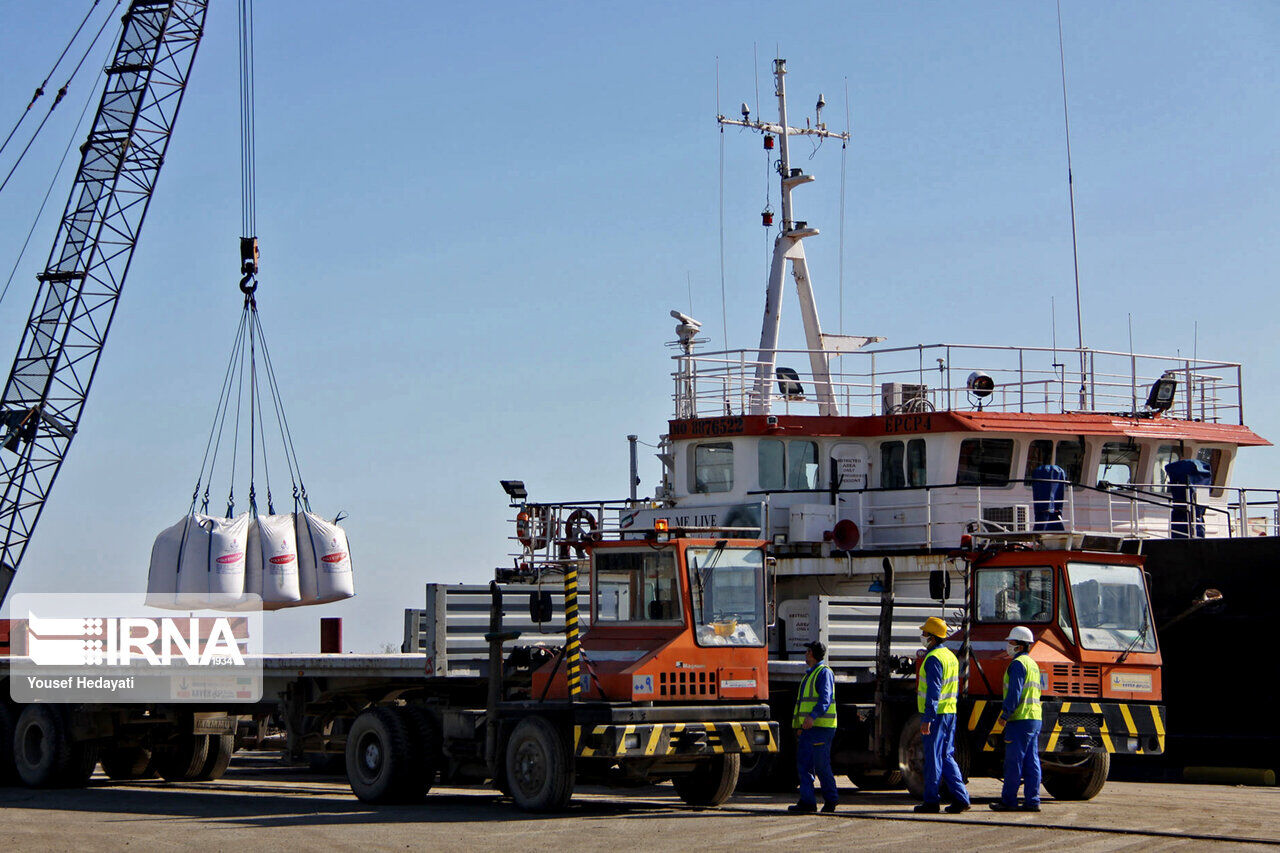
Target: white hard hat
[{"x": 1021, "y": 635}]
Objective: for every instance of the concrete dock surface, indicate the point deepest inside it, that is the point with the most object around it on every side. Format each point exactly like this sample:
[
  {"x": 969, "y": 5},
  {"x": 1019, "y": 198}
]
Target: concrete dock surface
[{"x": 261, "y": 801}]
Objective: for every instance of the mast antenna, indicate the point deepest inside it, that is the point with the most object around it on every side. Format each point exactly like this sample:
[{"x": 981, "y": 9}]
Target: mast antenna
[{"x": 1071, "y": 194}]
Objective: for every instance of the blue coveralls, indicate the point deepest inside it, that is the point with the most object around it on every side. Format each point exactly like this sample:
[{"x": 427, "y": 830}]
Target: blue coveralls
[
  {"x": 813, "y": 746},
  {"x": 1021, "y": 745},
  {"x": 940, "y": 743}
]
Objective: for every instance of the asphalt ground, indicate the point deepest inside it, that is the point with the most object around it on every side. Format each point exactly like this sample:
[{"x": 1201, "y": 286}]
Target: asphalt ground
[{"x": 262, "y": 804}]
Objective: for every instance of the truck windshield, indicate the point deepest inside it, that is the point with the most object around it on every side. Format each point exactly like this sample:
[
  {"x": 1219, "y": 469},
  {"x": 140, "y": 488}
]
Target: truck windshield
[
  {"x": 1111, "y": 607},
  {"x": 636, "y": 586},
  {"x": 728, "y": 595}
]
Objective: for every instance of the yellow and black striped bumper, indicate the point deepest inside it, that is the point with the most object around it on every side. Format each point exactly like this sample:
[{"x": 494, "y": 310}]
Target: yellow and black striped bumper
[
  {"x": 1117, "y": 727},
  {"x": 673, "y": 739}
]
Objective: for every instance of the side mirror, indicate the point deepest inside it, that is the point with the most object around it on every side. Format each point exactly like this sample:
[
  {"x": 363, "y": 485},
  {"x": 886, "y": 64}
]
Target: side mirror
[
  {"x": 939, "y": 585},
  {"x": 540, "y": 606}
]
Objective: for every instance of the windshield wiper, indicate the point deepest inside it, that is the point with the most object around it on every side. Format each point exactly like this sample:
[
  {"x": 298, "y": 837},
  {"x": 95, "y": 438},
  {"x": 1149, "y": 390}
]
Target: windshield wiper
[{"x": 1142, "y": 636}]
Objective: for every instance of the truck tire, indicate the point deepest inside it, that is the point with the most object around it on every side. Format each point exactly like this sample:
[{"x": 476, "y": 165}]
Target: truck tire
[
  {"x": 911, "y": 757},
  {"x": 182, "y": 758},
  {"x": 8, "y": 771},
  {"x": 125, "y": 763},
  {"x": 539, "y": 763},
  {"x": 428, "y": 743},
  {"x": 1077, "y": 783},
  {"x": 84, "y": 760},
  {"x": 757, "y": 772},
  {"x": 380, "y": 757},
  {"x": 712, "y": 783},
  {"x": 215, "y": 764},
  {"x": 42, "y": 746}
]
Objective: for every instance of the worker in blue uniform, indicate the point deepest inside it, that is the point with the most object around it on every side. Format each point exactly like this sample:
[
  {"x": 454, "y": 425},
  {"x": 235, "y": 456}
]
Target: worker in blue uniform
[
  {"x": 814, "y": 720},
  {"x": 1022, "y": 718},
  {"x": 937, "y": 694}
]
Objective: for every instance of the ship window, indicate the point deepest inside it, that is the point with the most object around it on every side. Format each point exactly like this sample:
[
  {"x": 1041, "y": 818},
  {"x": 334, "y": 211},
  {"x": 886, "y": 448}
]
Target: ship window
[
  {"x": 1015, "y": 595},
  {"x": 917, "y": 472},
  {"x": 713, "y": 467},
  {"x": 891, "y": 476},
  {"x": 1039, "y": 452},
  {"x": 985, "y": 462},
  {"x": 802, "y": 465},
  {"x": 771, "y": 457},
  {"x": 1071, "y": 459},
  {"x": 1165, "y": 454},
  {"x": 1119, "y": 463},
  {"x": 1212, "y": 456}
]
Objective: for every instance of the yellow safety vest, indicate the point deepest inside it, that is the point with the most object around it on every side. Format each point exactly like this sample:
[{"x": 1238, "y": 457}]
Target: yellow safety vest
[
  {"x": 1029, "y": 702},
  {"x": 807, "y": 699},
  {"x": 950, "y": 680}
]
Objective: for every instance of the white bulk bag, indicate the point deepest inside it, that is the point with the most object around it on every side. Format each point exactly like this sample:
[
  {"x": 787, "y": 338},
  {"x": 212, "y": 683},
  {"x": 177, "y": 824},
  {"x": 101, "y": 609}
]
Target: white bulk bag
[
  {"x": 324, "y": 560},
  {"x": 272, "y": 568},
  {"x": 187, "y": 536},
  {"x": 216, "y": 578}
]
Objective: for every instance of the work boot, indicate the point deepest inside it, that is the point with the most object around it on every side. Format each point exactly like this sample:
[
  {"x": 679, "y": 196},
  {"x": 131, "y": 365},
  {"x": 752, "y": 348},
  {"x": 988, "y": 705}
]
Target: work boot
[
  {"x": 957, "y": 807},
  {"x": 1000, "y": 806},
  {"x": 829, "y": 807},
  {"x": 927, "y": 808},
  {"x": 1030, "y": 807},
  {"x": 803, "y": 808}
]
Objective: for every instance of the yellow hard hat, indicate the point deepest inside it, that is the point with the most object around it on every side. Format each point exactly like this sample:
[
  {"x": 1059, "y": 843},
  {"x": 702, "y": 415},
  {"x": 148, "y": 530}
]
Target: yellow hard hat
[{"x": 935, "y": 626}]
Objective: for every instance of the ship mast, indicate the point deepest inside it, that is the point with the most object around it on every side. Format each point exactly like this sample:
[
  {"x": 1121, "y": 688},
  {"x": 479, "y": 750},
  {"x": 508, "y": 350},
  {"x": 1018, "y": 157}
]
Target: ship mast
[{"x": 788, "y": 246}]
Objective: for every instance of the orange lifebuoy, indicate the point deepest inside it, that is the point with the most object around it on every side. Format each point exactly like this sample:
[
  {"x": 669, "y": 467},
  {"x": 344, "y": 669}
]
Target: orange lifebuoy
[
  {"x": 578, "y": 528},
  {"x": 531, "y": 529}
]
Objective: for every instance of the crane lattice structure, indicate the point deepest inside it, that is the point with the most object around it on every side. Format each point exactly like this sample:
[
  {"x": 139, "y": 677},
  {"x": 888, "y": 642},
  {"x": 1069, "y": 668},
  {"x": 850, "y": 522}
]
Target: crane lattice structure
[{"x": 78, "y": 291}]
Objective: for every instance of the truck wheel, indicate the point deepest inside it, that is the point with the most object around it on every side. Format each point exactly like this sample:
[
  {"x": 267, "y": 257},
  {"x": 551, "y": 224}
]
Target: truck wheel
[
  {"x": 380, "y": 757},
  {"x": 428, "y": 742},
  {"x": 712, "y": 783},
  {"x": 182, "y": 758},
  {"x": 8, "y": 771},
  {"x": 42, "y": 746},
  {"x": 539, "y": 765},
  {"x": 215, "y": 764},
  {"x": 878, "y": 780},
  {"x": 911, "y": 757},
  {"x": 124, "y": 763},
  {"x": 84, "y": 759},
  {"x": 757, "y": 772},
  {"x": 1082, "y": 782}
]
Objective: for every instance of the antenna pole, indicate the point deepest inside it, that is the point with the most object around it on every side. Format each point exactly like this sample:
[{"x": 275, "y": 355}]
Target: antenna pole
[{"x": 1071, "y": 194}]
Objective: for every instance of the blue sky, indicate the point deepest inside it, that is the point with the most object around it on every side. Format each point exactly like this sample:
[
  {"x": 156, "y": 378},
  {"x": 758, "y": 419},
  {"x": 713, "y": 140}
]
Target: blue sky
[{"x": 474, "y": 220}]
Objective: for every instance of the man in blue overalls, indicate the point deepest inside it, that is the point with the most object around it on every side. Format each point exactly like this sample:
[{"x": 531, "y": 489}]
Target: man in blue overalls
[
  {"x": 938, "y": 689},
  {"x": 814, "y": 720},
  {"x": 1021, "y": 716}
]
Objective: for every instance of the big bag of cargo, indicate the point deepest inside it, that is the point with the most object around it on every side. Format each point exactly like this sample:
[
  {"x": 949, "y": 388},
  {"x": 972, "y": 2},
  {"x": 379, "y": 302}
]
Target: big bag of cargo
[
  {"x": 217, "y": 581},
  {"x": 324, "y": 560},
  {"x": 271, "y": 571},
  {"x": 185, "y": 542}
]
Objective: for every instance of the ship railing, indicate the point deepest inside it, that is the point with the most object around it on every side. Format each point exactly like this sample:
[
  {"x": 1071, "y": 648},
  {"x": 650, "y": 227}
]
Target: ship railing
[
  {"x": 936, "y": 516},
  {"x": 936, "y": 377}
]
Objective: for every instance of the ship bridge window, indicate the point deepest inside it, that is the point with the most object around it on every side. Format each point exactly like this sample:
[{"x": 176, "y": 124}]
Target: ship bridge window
[
  {"x": 1068, "y": 455},
  {"x": 1165, "y": 454},
  {"x": 1212, "y": 456},
  {"x": 985, "y": 462},
  {"x": 712, "y": 467},
  {"x": 1015, "y": 595},
  {"x": 787, "y": 464},
  {"x": 893, "y": 455},
  {"x": 1118, "y": 464}
]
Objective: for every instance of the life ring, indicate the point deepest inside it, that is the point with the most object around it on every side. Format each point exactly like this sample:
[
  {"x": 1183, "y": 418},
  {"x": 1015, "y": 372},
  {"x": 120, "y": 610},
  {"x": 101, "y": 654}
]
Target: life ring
[
  {"x": 578, "y": 528},
  {"x": 531, "y": 529}
]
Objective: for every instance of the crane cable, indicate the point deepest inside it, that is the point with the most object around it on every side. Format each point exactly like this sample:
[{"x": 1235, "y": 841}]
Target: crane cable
[{"x": 62, "y": 93}]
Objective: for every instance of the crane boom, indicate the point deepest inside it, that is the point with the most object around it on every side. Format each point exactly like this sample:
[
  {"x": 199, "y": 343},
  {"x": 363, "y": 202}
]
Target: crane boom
[{"x": 78, "y": 291}]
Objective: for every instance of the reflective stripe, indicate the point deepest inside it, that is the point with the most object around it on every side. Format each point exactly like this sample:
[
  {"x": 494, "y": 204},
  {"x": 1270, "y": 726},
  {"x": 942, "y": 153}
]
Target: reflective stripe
[
  {"x": 947, "y": 703},
  {"x": 1028, "y": 707},
  {"x": 807, "y": 700}
]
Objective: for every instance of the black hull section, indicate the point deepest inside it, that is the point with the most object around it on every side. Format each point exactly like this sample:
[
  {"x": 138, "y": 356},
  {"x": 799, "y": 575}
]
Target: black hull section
[{"x": 1219, "y": 689}]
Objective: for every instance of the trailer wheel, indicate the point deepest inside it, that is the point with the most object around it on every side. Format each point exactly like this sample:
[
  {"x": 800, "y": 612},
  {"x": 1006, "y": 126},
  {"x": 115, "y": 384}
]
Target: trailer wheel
[
  {"x": 911, "y": 756},
  {"x": 84, "y": 759},
  {"x": 380, "y": 757},
  {"x": 8, "y": 771},
  {"x": 712, "y": 783},
  {"x": 428, "y": 742},
  {"x": 125, "y": 763},
  {"x": 215, "y": 764},
  {"x": 42, "y": 746},
  {"x": 182, "y": 759},
  {"x": 539, "y": 765},
  {"x": 1083, "y": 782}
]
